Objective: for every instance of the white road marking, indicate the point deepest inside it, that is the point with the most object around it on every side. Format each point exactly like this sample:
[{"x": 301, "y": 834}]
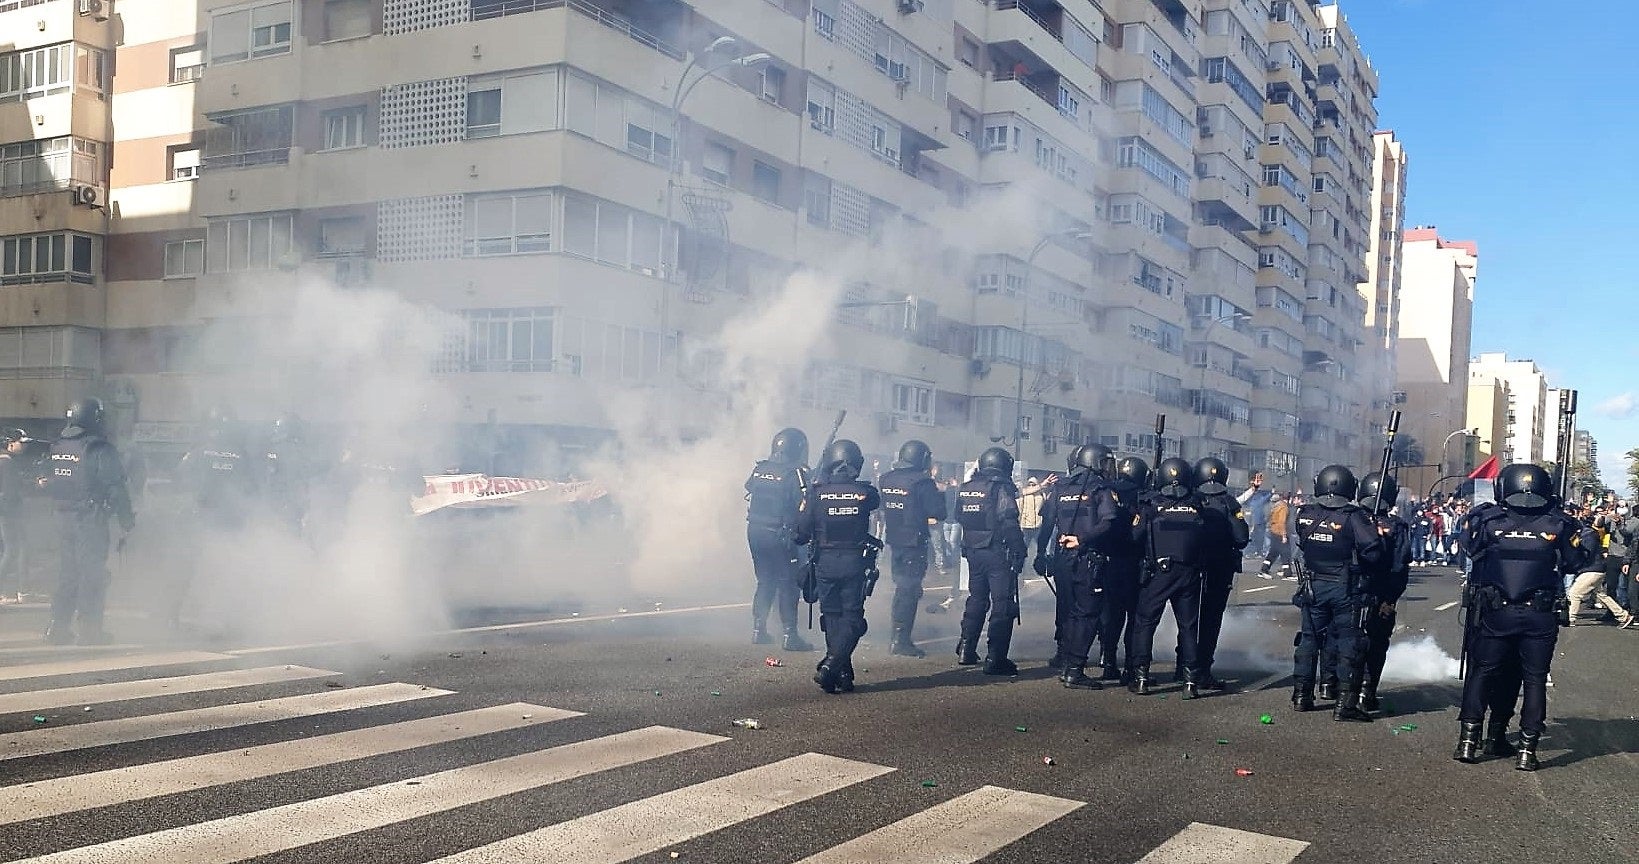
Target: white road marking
[
  {"x": 43, "y": 648},
  {"x": 105, "y": 664},
  {"x": 641, "y": 827},
  {"x": 92, "y": 694},
  {"x": 263, "y": 832},
  {"x": 959, "y": 831},
  {"x": 1446, "y": 606},
  {"x": 1259, "y": 588},
  {"x": 34, "y": 742},
  {"x": 1211, "y": 844},
  {"x": 137, "y": 782}
]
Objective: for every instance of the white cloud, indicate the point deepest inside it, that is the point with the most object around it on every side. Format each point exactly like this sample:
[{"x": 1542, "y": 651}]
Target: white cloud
[{"x": 1621, "y": 406}]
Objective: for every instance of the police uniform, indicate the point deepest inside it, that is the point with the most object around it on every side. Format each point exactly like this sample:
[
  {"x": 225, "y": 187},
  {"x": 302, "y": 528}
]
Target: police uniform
[
  {"x": 993, "y": 544},
  {"x": 1337, "y": 542},
  {"x": 1385, "y": 585},
  {"x": 774, "y": 498},
  {"x": 835, "y": 521},
  {"x": 1051, "y": 560},
  {"x": 222, "y": 479},
  {"x": 287, "y": 477},
  {"x": 1223, "y": 561},
  {"x": 1119, "y": 576},
  {"x": 86, "y": 482},
  {"x": 1091, "y": 512},
  {"x": 1177, "y": 534},
  {"x": 1520, "y": 558},
  {"x": 909, "y": 499}
]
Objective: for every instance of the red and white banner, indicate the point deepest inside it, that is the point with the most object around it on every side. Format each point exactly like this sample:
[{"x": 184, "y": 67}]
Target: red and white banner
[{"x": 466, "y": 491}]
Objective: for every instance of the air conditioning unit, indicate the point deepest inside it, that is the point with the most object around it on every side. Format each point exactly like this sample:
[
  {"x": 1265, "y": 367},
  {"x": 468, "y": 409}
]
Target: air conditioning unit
[
  {"x": 909, "y": 7},
  {"x": 1206, "y": 132},
  {"x": 93, "y": 8},
  {"x": 86, "y": 196}
]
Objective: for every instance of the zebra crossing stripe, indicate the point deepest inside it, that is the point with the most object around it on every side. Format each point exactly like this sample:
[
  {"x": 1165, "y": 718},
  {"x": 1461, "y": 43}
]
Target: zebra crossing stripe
[
  {"x": 959, "y": 831},
  {"x": 641, "y": 827},
  {"x": 263, "y": 832},
  {"x": 137, "y": 782},
  {"x": 105, "y": 664},
  {"x": 35, "y": 742},
  {"x": 1211, "y": 844},
  {"x": 92, "y": 694}
]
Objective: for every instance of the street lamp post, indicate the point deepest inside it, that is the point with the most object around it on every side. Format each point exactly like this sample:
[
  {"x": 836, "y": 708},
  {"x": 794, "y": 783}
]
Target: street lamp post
[
  {"x": 682, "y": 91},
  {"x": 1024, "y": 332}
]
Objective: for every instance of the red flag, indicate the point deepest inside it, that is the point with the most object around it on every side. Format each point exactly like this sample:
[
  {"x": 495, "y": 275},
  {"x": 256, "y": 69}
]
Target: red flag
[{"x": 1487, "y": 471}]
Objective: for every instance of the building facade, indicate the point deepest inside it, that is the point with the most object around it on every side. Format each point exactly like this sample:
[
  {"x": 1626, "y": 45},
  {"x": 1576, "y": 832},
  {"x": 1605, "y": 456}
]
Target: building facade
[
  {"x": 1384, "y": 266},
  {"x": 1095, "y": 213},
  {"x": 1431, "y": 352},
  {"x": 1530, "y": 414},
  {"x": 1488, "y": 416}
]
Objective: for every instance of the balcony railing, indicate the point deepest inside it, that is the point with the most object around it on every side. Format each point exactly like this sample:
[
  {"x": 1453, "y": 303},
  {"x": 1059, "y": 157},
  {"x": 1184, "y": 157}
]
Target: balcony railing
[
  {"x": 1004, "y": 5},
  {"x": 486, "y": 9},
  {"x": 277, "y": 156},
  {"x": 22, "y": 373},
  {"x": 1033, "y": 88}
]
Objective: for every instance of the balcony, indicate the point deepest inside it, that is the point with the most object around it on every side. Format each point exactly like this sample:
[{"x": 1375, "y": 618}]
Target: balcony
[
  {"x": 636, "y": 21},
  {"x": 1067, "y": 45}
]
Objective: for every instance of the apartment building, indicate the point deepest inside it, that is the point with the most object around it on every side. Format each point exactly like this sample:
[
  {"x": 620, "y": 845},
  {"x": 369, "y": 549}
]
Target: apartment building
[
  {"x": 1530, "y": 413},
  {"x": 1385, "y": 263},
  {"x": 1431, "y": 355},
  {"x": 594, "y": 187},
  {"x": 1488, "y": 416}
]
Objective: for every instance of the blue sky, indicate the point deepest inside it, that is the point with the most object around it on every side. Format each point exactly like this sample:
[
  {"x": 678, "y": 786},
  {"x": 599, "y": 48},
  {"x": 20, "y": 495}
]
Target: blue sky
[{"x": 1520, "y": 122}]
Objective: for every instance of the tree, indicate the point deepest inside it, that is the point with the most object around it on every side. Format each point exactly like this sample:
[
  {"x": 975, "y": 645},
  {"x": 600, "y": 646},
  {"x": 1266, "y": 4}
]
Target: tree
[
  {"x": 1633, "y": 470},
  {"x": 1407, "y": 450}
]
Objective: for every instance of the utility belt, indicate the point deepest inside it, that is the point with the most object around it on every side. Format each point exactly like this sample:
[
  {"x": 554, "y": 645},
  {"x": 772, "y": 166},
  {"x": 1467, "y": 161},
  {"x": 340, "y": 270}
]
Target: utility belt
[
  {"x": 1172, "y": 565},
  {"x": 1490, "y": 598}
]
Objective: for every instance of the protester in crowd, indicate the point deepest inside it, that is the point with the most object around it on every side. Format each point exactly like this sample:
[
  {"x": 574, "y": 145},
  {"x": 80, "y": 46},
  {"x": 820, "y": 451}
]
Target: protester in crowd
[{"x": 1255, "y": 508}]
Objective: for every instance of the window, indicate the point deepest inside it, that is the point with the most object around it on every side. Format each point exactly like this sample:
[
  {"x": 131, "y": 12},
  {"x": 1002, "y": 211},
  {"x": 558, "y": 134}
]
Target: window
[
  {"x": 247, "y": 32},
  {"x": 90, "y": 69},
  {"x": 50, "y": 163},
  {"x": 612, "y": 234},
  {"x": 509, "y": 340},
  {"x": 717, "y": 163},
  {"x": 342, "y": 235},
  {"x": 648, "y": 132},
  {"x": 344, "y": 128},
  {"x": 913, "y": 402},
  {"x": 968, "y": 53},
  {"x": 46, "y": 258},
  {"x": 765, "y": 182},
  {"x": 260, "y": 136},
  {"x": 187, "y": 64},
  {"x": 258, "y": 242},
  {"x": 346, "y": 19},
  {"x": 879, "y": 139},
  {"x": 39, "y": 72},
  {"x": 509, "y": 223},
  {"x": 966, "y": 125},
  {"x": 825, "y": 25},
  {"x": 822, "y": 99},
  {"x": 31, "y": 350},
  {"x": 512, "y": 104},
  {"x": 773, "y": 83},
  {"x": 184, "y": 162},
  {"x": 184, "y": 258}
]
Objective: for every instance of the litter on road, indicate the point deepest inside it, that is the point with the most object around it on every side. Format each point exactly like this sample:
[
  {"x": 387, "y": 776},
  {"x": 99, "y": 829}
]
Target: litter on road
[
  {"x": 748, "y": 723},
  {"x": 1243, "y": 772},
  {"x": 1267, "y": 720},
  {"x": 767, "y": 661}
]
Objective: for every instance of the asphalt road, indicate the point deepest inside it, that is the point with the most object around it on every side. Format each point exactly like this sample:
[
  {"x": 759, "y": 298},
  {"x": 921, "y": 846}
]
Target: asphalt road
[{"x": 926, "y": 762}]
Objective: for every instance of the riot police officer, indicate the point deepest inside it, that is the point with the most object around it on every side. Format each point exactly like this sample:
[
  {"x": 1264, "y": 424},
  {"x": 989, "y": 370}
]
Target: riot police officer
[
  {"x": 86, "y": 481},
  {"x": 1121, "y": 569},
  {"x": 1340, "y": 544},
  {"x": 1386, "y": 582},
  {"x": 221, "y": 480},
  {"x": 1520, "y": 558},
  {"x": 910, "y": 503},
  {"x": 1222, "y": 563},
  {"x": 288, "y": 472},
  {"x": 774, "y": 494},
  {"x": 1048, "y": 561},
  {"x": 1086, "y": 514},
  {"x": 994, "y": 546},
  {"x": 835, "y": 523},
  {"x": 1177, "y": 532},
  {"x": 1504, "y": 685}
]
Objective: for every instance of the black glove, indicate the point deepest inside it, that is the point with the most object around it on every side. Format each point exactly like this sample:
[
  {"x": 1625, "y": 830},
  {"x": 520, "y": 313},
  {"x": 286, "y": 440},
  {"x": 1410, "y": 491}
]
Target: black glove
[{"x": 1041, "y": 565}]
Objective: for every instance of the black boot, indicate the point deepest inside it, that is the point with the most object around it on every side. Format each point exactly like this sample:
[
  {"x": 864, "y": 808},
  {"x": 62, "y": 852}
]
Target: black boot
[
  {"x": 1303, "y": 698},
  {"x": 1075, "y": 676},
  {"x": 845, "y": 677},
  {"x": 1347, "y": 708},
  {"x": 997, "y": 665},
  {"x": 1468, "y": 743},
  {"x": 1368, "y": 697},
  {"x": 1496, "y": 740},
  {"x": 1527, "y": 760},
  {"x": 759, "y": 633},
  {"x": 1111, "y": 672},
  {"x": 795, "y": 642},
  {"x": 59, "y": 634},
  {"x": 965, "y": 653},
  {"x": 1179, "y": 676},
  {"x": 1209, "y": 682},
  {"x": 1057, "y": 660},
  {"x": 1327, "y": 691},
  {"x": 826, "y": 675},
  {"x": 903, "y": 646},
  {"x": 1139, "y": 680},
  {"x": 1192, "y": 688}
]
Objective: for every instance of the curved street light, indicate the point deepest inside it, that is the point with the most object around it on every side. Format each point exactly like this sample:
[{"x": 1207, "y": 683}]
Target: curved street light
[{"x": 1024, "y": 329}]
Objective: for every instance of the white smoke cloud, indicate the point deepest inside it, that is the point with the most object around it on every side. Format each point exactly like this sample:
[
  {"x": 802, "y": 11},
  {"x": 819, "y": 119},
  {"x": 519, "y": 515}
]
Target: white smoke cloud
[{"x": 1419, "y": 662}]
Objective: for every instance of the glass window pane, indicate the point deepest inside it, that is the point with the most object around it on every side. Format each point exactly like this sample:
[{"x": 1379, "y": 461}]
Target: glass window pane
[
  {"x": 194, "y": 259},
  {"x": 529, "y": 103},
  {"x": 238, "y": 244},
  {"x": 281, "y": 238},
  {"x": 542, "y": 347},
  {"x": 260, "y": 243},
  {"x": 230, "y": 36},
  {"x": 82, "y": 254},
  {"x": 612, "y": 225},
  {"x": 491, "y": 217},
  {"x": 484, "y": 112},
  {"x": 580, "y": 218},
  {"x": 580, "y": 104}
]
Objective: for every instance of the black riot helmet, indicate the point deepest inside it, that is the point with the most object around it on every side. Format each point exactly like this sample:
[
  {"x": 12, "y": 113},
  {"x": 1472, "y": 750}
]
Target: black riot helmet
[
  {"x": 790, "y": 446},
  {"x": 1335, "y": 486},
  {"x": 1175, "y": 478},
  {"x": 843, "y": 461},
  {"x": 1378, "y": 493},
  {"x": 85, "y": 413},
  {"x": 1096, "y": 458},
  {"x": 1211, "y": 476},
  {"x": 996, "y": 461},
  {"x": 1073, "y": 461},
  {"x": 1134, "y": 470},
  {"x": 1523, "y": 486},
  {"x": 916, "y": 454}
]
